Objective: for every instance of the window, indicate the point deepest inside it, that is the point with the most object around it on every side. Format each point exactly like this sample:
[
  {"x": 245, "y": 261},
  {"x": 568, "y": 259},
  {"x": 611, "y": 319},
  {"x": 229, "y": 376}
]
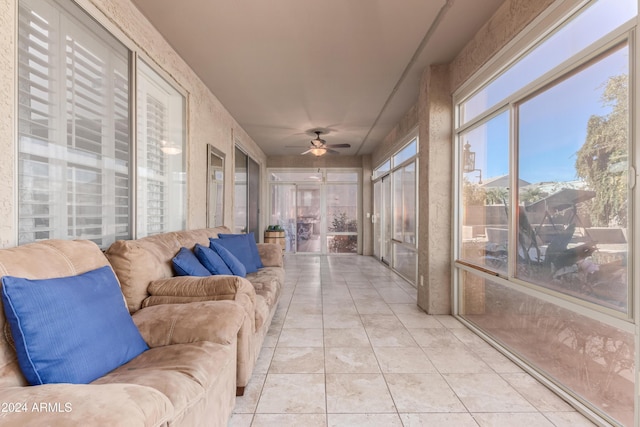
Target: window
[
  {"x": 395, "y": 209},
  {"x": 73, "y": 127},
  {"x": 342, "y": 212},
  {"x": 544, "y": 235},
  {"x": 161, "y": 187},
  {"x": 247, "y": 194},
  {"x": 74, "y": 133}
]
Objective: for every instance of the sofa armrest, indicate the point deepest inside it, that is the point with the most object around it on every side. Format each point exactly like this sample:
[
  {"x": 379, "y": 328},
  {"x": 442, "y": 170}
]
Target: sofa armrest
[
  {"x": 167, "y": 324},
  {"x": 219, "y": 287},
  {"x": 84, "y": 404},
  {"x": 271, "y": 254},
  {"x": 188, "y": 289}
]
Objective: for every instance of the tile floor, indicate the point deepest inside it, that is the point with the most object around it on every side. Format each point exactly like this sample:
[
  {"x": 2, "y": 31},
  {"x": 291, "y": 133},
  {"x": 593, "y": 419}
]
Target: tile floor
[{"x": 349, "y": 347}]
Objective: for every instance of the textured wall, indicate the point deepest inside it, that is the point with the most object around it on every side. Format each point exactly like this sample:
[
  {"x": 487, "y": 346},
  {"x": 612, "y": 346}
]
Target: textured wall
[
  {"x": 435, "y": 196},
  {"x": 510, "y": 18},
  {"x": 394, "y": 139},
  {"x": 208, "y": 120},
  {"x": 7, "y": 118}
]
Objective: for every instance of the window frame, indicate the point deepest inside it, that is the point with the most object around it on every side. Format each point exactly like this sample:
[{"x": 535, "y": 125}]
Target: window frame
[
  {"x": 544, "y": 26},
  {"x": 138, "y": 58}
]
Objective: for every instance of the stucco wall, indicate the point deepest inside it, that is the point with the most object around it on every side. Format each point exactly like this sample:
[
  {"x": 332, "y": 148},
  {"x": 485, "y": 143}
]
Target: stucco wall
[
  {"x": 7, "y": 118},
  {"x": 398, "y": 136},
  {"x": 208, "y": 120},
  {"x": 510, "y": 18}
]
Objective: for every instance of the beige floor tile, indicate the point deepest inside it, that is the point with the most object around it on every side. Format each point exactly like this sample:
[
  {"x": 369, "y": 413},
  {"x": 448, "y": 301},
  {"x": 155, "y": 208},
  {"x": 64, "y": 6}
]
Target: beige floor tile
[
  {"x": 247, "y": 403},
  {"x": 395, "y": 295},
  {"x": 422, "y": 393},
  {"x": 364, "y": 293},
  {"x": 372, "y": 307},
  {"x": 271, "y": 339},
  {"x": 293, "y": 393},
  {"x": 407, "y": 308},
  {"x": 344, "y": 337},
  {"x": 289, "y": 420},
  {"x": 297, "y": 360},
  {"x": 308, "y": 321},
  {"x": 364, "y": 420},
  {"x": 264, "y": 360},
  {"x": 435, "y": 338},
  {"x": 409, "y": 360},
  {"x": 240, "y": 420},
  {"x": 538, "y": 395},
  {"x": 496, "y": 360},
  {"x": 386, "y": 321},
  {"x": 449, "y": 321},
  {"x": 296, "y": 309},
  {"x": 534, "y": 419},
  {"x": 301, "y": 337},
  {"x": 568, "y": 419},
  {"x": 487, "y": 393},
  {"x": 419, "y": 320},
  {"x": 458, "y": 359},
  {"x": 358, "y": 393},
  {"x": 383, "y": 337},
  {"x": 438, "y": 420},
  {"x": 342, "y": 320},
  {"x": 343, "y": 308},
  {"x": 359, "y": 283},
  {"x": 350, "y": 360}
]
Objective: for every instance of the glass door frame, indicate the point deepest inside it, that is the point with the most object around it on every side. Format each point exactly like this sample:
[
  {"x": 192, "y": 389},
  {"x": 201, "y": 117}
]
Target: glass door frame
[{"x": 296, "y": 177}]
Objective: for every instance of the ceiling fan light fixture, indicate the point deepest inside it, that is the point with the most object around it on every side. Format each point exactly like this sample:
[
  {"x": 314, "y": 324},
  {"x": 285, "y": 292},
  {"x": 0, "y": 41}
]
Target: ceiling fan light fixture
[{"x": 321, "y": 151}]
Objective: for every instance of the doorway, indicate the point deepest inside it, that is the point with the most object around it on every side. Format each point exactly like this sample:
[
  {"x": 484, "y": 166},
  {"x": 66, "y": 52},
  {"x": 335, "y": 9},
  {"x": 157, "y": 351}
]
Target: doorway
[{"x": 317, "y": 209}]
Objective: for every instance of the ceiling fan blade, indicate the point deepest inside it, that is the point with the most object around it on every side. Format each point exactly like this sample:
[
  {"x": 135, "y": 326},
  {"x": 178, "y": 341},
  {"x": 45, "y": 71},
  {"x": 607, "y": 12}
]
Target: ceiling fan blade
[
  {"x": 307, "y": 152},
  {"x": 338, "y": 145},
  {"x": 330, "y": 151}
]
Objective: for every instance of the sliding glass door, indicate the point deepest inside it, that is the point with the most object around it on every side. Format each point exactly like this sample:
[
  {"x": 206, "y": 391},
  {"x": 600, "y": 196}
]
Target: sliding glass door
[{"x": 318, "y": 210}]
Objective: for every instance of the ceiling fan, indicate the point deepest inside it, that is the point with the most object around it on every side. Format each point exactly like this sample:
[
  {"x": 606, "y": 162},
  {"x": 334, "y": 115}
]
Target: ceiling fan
[{"x": 319, "y": 146}]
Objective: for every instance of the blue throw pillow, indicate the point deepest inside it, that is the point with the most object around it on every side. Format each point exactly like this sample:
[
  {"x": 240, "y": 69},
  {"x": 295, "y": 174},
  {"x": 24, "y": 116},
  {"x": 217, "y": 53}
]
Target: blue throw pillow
[
  {"x": 251, "y": 242},
  {"x": 185, "y": 263},
  {"x": 240, "y": 249},
  {"x": 236, "y": 267},
  {"x": 211, "y": 260},
  {"x": 70, "y": 329}
]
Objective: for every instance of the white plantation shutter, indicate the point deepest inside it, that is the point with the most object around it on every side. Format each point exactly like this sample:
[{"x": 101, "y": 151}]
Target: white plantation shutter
[
  {"x": 161, "y": 196},
  {"x": 74, "y": 132}
]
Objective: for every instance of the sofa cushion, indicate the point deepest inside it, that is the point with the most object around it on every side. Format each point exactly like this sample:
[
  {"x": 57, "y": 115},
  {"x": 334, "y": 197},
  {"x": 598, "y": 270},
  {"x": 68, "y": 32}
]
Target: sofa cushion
[
  {"x": 71, "y": 329},
  {"x": 211, "y": 260},
  {"x": 251, "y": 242},
  {"x": 182, "y": 372},
  {"x": 239, "y": 247},
  {"x": 234, "y": 264},
  {"x": 186, "y": 263}
]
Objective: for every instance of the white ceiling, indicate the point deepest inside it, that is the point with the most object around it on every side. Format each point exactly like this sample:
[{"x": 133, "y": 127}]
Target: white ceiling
[{"x": 284, "y": 68}]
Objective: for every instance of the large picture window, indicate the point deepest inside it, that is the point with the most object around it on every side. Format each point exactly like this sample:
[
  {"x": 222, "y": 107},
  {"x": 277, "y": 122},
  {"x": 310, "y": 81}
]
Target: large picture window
[{"x": 544, "y": 236}]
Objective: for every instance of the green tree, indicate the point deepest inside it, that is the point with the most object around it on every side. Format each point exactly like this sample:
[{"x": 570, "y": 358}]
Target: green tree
[{"x": 603, "y": 159}]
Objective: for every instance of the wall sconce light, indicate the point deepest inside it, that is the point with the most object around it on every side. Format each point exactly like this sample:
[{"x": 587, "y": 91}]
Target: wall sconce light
[{"x": 469, "y": 161}]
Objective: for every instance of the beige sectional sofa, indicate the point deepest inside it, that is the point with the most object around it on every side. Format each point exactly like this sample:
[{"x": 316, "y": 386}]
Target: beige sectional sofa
[
  {"x": 145, "y": 272},
  {"x": 186, "y": 377}
]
